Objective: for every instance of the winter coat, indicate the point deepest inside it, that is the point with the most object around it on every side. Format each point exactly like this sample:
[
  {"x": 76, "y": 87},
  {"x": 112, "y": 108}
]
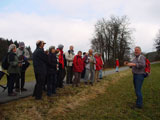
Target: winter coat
[
  {"x": 13, "y": 63},
  {"x": 90, "y": 65},
  {"x": 61, "y": 60},
  {"x": 117, "y": 63},
  {"x": 78, "y": 64},
  {"x": 40, "y": 61},
  {"x": 52, "y": 66},
  {"x": 98, "y": 63},
  {"x": 69, "y": 58}
]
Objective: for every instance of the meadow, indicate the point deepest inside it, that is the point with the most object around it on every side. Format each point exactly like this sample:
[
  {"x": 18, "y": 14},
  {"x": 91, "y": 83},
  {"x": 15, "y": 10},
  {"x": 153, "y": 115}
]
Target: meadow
[{"x": 110, "y": 99}]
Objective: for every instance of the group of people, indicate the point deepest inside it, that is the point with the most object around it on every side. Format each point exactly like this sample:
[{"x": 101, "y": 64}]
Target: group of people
[
  {"x": 17, "y": 59},
  {"x": 51, "y": 67}
]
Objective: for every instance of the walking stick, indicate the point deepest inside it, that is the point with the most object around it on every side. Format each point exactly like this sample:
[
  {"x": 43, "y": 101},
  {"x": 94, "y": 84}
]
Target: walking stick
[{"x": 20, "y": 86}]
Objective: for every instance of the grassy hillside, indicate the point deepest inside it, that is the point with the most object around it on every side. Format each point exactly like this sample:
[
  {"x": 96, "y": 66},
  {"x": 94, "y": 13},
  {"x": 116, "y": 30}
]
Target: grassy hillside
[{"x": 111, "y": 99}]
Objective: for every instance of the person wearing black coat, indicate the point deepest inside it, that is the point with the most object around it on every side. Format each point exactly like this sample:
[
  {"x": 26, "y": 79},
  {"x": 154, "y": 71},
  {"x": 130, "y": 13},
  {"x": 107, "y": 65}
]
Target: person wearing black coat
[
  {"x": 52, "y": 69},
  {"x": 40, "y": 61}
]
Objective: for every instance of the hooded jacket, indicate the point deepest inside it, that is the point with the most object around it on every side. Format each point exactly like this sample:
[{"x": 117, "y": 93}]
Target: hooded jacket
[{"x": 78, "y": 64}]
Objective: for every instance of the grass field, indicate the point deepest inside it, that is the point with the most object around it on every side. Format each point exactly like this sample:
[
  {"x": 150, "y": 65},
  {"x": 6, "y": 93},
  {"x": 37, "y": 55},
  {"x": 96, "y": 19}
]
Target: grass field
[{"x": 110, "y": 99}]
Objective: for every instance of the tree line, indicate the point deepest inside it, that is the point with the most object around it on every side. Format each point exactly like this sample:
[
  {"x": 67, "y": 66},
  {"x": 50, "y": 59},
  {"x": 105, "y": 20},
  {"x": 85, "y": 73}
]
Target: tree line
[
  {"x": 4, "y": 44},
  {"x": 113, "y": 39}
]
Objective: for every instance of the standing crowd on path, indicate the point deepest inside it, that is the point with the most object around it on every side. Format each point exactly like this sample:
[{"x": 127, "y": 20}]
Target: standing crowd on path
[{"x": 52, "y": 66}]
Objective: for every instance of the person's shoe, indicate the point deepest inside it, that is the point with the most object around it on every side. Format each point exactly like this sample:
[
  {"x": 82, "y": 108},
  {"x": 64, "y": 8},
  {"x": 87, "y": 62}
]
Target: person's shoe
[
  {"x": 12, "y": 94},
  {"x": 17, "y": 90},
  {"x": 86, "y": 83},
  {"x": 23, "y": 89},
  {"x": 38, "y": 98},
  {"x": 91, "y": 83},
  {"x": 139, "y": 107}
]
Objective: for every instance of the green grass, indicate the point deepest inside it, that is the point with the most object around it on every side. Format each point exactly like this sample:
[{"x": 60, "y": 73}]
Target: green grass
[
  {"x": 29, "y": 75},
  {"x": 111, "y": 99},
  {"x": 118, "y": 99}
]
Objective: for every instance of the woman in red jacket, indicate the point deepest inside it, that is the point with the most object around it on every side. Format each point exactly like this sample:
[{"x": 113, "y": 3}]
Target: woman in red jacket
[
  {"x": 98, "y": 66},
  {"x": 77, "y": 68}
]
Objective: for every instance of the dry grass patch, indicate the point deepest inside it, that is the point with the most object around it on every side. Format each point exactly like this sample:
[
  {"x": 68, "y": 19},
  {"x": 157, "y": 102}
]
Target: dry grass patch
[{"x": 65, "y": 100}]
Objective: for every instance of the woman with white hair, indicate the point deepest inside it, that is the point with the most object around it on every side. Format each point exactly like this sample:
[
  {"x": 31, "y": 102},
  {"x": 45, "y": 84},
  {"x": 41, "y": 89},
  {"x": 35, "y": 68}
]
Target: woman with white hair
[{"x": 13, "y": 69}]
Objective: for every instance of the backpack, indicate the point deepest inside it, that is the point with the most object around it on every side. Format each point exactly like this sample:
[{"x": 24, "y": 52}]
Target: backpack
[
  {"x": 5, "y": 63},
  {"x": 147, "y": 67}
]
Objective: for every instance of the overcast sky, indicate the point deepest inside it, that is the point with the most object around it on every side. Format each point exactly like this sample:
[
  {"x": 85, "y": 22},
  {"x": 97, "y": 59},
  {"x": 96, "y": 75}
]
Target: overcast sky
[{"x": 71, "y": 22}]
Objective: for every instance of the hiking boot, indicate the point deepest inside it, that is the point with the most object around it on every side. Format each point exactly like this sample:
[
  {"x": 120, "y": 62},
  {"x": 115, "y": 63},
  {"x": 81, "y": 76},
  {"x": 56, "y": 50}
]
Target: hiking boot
[
  {"x": 91, "y": 83},
  {"x": 12, "y": 94},
  {"x": 17, "y": 90},
  {"x": 86, "y": 83},
  {"x": 23, "y": 89}
]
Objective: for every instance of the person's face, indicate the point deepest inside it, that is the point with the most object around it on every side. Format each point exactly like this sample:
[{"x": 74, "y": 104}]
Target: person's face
[
  {"x": 137, "y": 51},
  {"x": 80, "y": 53},
  {"x": 96, "y": 55},
  {"x": 53, "y": 51},
  {"x": 15, "y": 49},
  {"x": 42, "y": 45},
  {"x": 71, "y": 47},
  {"x": 90, "y": 52}
]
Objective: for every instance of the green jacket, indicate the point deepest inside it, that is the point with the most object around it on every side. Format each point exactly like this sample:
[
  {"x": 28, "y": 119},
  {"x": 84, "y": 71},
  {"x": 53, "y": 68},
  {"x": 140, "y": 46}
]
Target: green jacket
[{"x": 13, "y": 63}]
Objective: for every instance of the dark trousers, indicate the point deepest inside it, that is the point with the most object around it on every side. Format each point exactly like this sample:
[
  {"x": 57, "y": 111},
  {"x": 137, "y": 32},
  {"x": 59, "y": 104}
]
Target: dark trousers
[
  {"x": 77, "y": 78},
  {"x": 61, "y": 76},
  {"x": 11, "y": 80},
  {"x": 83, "y": 73},
  {"x": 51, "y": 84},
  {"x": 69, "y": 74},
  {"x": 22, "y": 79},
  {"x": 138, "y": 81},
  {"x": 40, "y": 79}
]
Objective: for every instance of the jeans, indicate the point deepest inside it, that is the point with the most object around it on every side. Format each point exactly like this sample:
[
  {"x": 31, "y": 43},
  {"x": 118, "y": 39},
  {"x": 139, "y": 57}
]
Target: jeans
[
  {"x": 138, "y": 81},
  {"x": 91, "y": 73},
  {"x": 117, "y": 68},
  {"x": 100, "y": 74}
]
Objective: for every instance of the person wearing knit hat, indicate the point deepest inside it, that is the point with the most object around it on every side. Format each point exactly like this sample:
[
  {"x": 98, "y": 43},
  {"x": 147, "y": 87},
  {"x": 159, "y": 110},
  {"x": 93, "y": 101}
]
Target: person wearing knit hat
[
  {"x": 61, "y": 72},
  {"x": 23, "y": 56},
  {"x": 60, "y": 46},
  {"x": 40, "y": 62}
]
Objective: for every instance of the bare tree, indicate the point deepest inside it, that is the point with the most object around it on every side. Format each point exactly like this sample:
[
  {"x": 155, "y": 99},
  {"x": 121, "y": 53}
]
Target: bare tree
[
  {"x": 112, "y": 39},
  {"x": 157, "y": 42}
]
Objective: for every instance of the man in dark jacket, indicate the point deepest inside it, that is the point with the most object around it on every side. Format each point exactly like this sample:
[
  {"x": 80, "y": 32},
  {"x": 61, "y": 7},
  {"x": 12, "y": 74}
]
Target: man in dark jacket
[{"x": 40, "y": 61}]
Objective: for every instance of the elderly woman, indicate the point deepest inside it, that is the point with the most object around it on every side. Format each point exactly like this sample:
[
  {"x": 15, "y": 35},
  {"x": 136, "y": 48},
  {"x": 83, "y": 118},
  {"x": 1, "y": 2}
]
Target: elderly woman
[
  {"x": 13, "y": 69},
  {"x": 52, "y": 69}
]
